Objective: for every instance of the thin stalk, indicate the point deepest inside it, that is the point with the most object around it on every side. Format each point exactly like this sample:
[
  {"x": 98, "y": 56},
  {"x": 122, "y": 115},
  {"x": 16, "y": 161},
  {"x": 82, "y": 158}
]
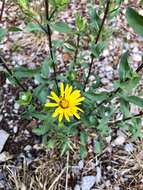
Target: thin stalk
[
  {"x": 96, "y": 41},
  {"x": 3, "y": 63},
  {"x": 126, "y": 119},
  {"x": 2, "y": 10},
  {"x": 50, "y": 42},
  {"x": 76, "y": 50}
]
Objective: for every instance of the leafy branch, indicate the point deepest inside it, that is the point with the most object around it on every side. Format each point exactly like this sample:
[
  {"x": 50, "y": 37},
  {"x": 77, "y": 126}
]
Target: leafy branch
[
  {"x": 96, "y": 41},
  {"x": 4, "y": 64},
  {"x": 50, "y": 41},
  {"x": 2, "y": 9},
  {"x": 140, "y": 67}
]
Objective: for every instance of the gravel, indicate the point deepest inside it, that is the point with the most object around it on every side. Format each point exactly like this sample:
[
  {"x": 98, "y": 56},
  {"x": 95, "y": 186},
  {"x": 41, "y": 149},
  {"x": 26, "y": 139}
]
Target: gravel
[{"x": 3, "y": 138}]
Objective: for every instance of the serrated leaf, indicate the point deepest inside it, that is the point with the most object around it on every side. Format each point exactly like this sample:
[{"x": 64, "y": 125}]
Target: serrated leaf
[{"x": 135, "y": 20}]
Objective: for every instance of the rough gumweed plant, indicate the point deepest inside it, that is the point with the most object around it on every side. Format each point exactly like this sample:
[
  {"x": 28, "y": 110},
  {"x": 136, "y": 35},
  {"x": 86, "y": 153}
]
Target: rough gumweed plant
[{"x": 67, "y": 104}]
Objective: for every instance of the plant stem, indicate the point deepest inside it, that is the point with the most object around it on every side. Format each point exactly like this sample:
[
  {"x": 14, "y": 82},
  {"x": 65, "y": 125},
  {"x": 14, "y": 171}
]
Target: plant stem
[
  {"x": 2, "y": 10},
  {"x": 126, "y": 119},
  {"x": 2, "y": 61},
  {"x": 96, "y": 41},
  {"x": 50, "y": 42}
]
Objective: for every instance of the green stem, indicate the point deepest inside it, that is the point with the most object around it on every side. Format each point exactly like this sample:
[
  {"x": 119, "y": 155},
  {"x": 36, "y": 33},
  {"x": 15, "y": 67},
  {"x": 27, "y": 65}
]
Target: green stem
[
  {"x": 50, "y": 42},
  {"x": 96, "y": 41}
]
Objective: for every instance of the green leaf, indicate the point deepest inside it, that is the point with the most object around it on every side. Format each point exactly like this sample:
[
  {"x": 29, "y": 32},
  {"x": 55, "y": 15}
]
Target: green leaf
[
  {"x": 3, "y": 33},
  {"x": 41, "y": 130},
  {"x": 135, "y": 20},
  {"x": 135, "y": 100},
  {"x": 83, "y": 138},
  {"x": 51, "y": 143},
  {"x": 124, "y": 107},
  {"x": 14, "y": 29},
  {"x": 129, "y": 84},
  {"x": 25, "y": 98},
  {"x": 23, "y": 72},
  {"x": 83, "y": 151},
  {"x": 95, "y": 19},
  {"x": 97, "y": 96},
  {"x": 41, "y": 116},
  {"x": 31, "y": 27},
  {"x": 124, "y": 68},
  {"x": 97, "y": 49},
  {"x": 23, "y": 3},
  {"x": 46, "y": 65},
  {"x": 98, "y": 148},
  {"x": 81, "y": 23},
  {"x": 41, "y": 93},
  {"x": 61, "y": 27},
  {"x": 65, "y": 146}
]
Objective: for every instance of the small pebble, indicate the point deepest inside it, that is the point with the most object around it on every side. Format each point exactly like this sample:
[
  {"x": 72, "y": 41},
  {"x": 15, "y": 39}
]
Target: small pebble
[{"x": 129, "y": 147}]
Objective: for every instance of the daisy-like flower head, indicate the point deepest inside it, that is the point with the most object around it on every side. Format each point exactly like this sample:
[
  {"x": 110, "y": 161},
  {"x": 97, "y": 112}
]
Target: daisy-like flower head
[{"x": 67, "y": 103}]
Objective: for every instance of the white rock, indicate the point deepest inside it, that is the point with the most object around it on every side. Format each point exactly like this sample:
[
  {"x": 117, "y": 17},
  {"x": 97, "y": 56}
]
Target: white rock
[
  {"x": 108, "y": 139},
  {"x": 116, "y": 188},
  {"x": 16, "y": 106},
  {"x": 15, "y": 129},
  {"x": 108, "y": 68},
  {"x": 3, "y": 138},
  {"x": 98, "y": 175},
  {"x": 137, "y": 57},
  {"x": 4, "y": 156},
  {"x": 119, "y": 140},
  {"x": 27, "y": 148},
  {"x": 88, "y": 182},
  {"x": 77, "y": 187},
  {"x": 81, "y": 164},
  {"x": 1, "y": 116},
  {"x": 129, "y": 147}
]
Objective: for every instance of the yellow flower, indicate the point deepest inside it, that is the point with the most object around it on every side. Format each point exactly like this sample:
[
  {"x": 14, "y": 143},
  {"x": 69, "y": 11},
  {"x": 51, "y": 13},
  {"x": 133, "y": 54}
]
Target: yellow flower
[{"x": 67, "y": 103}]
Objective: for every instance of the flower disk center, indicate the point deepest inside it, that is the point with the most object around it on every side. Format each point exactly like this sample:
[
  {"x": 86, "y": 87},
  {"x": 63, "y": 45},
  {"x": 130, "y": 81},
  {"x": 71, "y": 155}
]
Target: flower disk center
[{"x": 64, "y": 103}]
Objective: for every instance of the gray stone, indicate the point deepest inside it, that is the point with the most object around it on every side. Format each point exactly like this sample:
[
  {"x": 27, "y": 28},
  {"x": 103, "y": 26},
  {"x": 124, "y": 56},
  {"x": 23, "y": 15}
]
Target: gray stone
[
  {"x": 3, "y": 138},
  {"x": 88, "y": 182}
]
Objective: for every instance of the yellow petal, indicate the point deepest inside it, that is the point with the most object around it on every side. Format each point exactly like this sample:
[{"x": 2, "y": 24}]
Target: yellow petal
[
  {"x": 79, "y": 109},
  {"x": 76, "y": 115},
  {"x": 69, "y": 92},
  {"x": 75, "y": 94},
  {"x": 61, "y": 116},
  {"x": 51, "y": 104},
  {"x": 57, "y": 112},
  {"x": 62, "y": 89},
  {"x": 78, "y": 100},
  {"x": 66, "y": 116},
  {"x": 55, "y": 97},
  {"x": 66, "y": 90}
]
